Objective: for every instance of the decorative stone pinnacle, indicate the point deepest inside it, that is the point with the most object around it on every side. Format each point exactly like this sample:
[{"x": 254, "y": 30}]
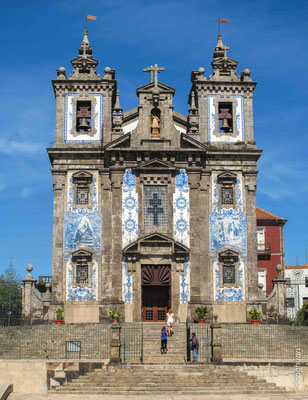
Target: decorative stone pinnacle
[
  {"x": 29, "y": 269},
  {"x": 117, "y": 104},
  {"x": 84, "y": 65}
]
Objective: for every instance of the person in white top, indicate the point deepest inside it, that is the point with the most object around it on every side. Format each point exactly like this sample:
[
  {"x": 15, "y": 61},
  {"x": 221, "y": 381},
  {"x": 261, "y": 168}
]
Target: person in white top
[{"x": 170, "y": 322}]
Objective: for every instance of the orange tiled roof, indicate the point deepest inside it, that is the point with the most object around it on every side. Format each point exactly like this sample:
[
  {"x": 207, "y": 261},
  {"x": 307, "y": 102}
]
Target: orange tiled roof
[
  {"x": 296, "y": 266},
  {"x": 262, "y": 214}
]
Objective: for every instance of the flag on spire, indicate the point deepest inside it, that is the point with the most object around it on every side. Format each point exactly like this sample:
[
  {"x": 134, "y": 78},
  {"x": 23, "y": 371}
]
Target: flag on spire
[
  {"x": 93, "y": 17},
  {"x": 223, "y": 21}
]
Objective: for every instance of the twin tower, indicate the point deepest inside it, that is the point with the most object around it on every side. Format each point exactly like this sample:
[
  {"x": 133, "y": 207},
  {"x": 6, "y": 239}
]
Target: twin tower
[{"x": 153, "y": 209}]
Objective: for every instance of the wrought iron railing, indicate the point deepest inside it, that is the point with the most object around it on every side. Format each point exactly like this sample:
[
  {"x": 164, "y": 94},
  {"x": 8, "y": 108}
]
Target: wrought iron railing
[
  {"x": 254, "y": 342},
  {"x": 132, "y": 342},
  {"x": 91, "y": 341},
  {"x": 203, "y": 333}
]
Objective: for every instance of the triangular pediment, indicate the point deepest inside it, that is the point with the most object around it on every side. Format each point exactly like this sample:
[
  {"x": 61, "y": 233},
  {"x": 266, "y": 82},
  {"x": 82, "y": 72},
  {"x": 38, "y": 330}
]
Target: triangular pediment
[
  {"x": 82, "y": 175},
  {"x": 191, "y": 143},
  {"x": 159, "y": 240},
  {"x": 82, "y": 253},
  {"x": 228, "y": 253},
  {"x": 226, "y": 175},
  {"x": 157, "y": 164},
  {"x": 119, "y": 143},
  {"x": 222, "y": 60},
  {"x": 160, "y": 86}
]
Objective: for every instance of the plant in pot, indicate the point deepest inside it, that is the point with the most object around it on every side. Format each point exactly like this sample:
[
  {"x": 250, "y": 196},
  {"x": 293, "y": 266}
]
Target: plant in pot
[
  {"x": 254, "y": 315},
  {"x": 59, "y": 316},
  {"x": 116, "y": 316},
  {"x": 201, "y": 314}
]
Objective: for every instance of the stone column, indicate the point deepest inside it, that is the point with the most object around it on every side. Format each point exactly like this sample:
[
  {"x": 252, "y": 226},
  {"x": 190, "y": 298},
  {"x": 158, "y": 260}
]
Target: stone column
[
  {"x": 57, "y": 246},
  {"x": 280, "y": 285},
  {"x": 116, "y": 244},
  {"x": 195, "y": 224},
  {"x": 252, "y": 257},
  {"x": 115, "y": 344},
  {"x": 27, "y": 298},
  {"x": 216, "y": 342}
]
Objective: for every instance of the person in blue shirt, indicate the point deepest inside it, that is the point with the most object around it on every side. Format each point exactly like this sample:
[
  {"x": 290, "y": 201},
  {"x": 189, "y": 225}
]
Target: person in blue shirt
[{"x": 163, "y": 335}]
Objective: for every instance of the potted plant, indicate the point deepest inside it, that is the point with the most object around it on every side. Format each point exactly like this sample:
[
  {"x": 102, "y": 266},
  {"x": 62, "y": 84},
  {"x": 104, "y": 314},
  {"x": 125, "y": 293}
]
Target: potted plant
[
  {"x": 201, "y": 314},
  {"x": 254, "y": 315},
  {"x": 59, "y": 316},
  {"x": 116, "y": 316}
]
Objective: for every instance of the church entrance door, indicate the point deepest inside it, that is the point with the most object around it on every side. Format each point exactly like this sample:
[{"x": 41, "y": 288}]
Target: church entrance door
[{"x": 156, "y": 292}]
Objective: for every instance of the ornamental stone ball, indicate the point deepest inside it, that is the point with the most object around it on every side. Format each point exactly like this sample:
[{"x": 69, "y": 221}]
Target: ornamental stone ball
[
  {"x": 29, "y": 268},
  {"x": 61, "y": 73},
  {"x": 279, "y": 268},
  {"x": 201, "y": 70},
  {"x": 260, "y": 286},
  {"x": 107, "y": 70}
]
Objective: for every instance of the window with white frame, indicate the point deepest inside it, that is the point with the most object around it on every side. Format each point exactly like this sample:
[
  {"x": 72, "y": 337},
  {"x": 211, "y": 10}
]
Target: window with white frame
[{"x": 261, "y": 239}]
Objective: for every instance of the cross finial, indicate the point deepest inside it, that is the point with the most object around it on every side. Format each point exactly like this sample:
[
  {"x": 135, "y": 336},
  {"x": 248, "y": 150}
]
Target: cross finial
[{"x": 154, "y": 71}]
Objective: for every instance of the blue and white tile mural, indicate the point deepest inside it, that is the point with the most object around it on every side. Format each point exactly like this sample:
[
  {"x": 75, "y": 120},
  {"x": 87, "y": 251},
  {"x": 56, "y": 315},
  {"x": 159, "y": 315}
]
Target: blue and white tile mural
[
  {"x": 129, "y": 226},
  {"x": 82, "y": 229},
  {"x": 228, "y": 230},
  {"x": 97, "y": 118},
  {"x": 181, "y": 228},
  {"x": 127, "y": 279},
  {"x": 185, "y": 283},
  {"x": 129, "y": 208},
  {"x": 212, "y": 120}
]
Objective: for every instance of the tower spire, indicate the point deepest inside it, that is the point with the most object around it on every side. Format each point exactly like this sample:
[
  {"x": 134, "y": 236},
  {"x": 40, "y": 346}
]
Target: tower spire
[
  {"x": 84, "y": 66},
  {"x": 224, "y": 68}
]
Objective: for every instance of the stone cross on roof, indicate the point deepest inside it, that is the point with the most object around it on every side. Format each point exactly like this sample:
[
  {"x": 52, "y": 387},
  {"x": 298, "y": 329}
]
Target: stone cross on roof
[{"x": 154, "y": 69}]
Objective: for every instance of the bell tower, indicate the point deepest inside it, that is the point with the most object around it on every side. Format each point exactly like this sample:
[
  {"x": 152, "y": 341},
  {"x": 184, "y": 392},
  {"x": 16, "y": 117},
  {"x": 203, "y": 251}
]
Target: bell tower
[
  {"x": 221, "y": 116},
  {"x": 88, "y": 114}
]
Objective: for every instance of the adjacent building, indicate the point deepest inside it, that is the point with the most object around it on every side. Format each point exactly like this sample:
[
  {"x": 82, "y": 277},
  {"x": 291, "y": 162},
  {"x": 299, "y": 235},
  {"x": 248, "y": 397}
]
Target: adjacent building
[
  {"x": 270, "y": 247},
  {"x": 297, "y": 288}
]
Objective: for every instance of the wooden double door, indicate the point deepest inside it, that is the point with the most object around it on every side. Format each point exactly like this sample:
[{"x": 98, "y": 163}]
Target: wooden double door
[{"x": 156, "y": 292}]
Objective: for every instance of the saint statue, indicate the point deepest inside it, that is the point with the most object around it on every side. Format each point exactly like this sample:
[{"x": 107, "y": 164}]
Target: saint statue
[{"x": 155, "y": 127}]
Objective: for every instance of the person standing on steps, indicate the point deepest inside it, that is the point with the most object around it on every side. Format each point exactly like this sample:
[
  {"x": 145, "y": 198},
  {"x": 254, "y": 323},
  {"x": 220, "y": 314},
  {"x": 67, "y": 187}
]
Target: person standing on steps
[
  {"x": 194, "y": 346},
  {"x": 163, "y": 335},
  {"x": 170, "y": 322}
]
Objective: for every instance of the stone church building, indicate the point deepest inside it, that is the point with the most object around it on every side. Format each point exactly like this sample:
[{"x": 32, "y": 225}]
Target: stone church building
[{"x": 154, "y": 209}]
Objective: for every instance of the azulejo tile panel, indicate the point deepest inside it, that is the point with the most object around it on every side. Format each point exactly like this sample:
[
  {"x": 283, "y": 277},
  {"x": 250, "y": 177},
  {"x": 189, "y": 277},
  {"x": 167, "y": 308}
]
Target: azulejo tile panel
[
  {"x": 181, "y": 224},
  {"x": 185, "y": 283},
  {"x": 127, "y": 279},
  {"x": 70, "y": 111},
  {"x": 129, "y": 208},
  {"x": 129, "y": 227},
  {"x": 181, "y": 231},
  {"x": 212, "y": 120},
  {"x": 82, "y": 229},
  {"x": 228, "y": 230}
]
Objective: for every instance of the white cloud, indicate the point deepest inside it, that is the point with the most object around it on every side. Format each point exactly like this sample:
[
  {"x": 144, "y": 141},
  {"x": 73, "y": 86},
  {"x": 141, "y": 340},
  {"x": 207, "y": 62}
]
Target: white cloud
[{"x": 11, "y": 147}]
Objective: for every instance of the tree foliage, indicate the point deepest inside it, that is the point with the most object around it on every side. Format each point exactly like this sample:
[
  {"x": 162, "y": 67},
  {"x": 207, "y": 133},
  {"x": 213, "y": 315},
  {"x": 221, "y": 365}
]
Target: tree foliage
[
  {"x": 302, "y": 315},
  {"x": 10, "y": 299}
]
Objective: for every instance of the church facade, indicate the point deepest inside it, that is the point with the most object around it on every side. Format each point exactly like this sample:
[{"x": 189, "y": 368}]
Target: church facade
[{"x": 154, "y": 209}]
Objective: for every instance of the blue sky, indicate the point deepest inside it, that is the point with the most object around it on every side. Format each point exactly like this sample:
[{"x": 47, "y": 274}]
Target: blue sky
[{"x": 267, "y": 36}]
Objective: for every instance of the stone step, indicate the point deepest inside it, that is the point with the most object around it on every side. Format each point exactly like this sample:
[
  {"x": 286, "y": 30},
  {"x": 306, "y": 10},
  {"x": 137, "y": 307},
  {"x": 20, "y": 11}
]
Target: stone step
[{"x": 209, "y": 392}]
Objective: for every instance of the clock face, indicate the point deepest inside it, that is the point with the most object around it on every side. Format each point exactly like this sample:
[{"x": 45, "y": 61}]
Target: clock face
[{"x": 298, "y": 273}]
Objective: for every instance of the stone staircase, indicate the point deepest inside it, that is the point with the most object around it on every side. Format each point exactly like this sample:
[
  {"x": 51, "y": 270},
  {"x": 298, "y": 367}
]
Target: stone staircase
[
  {"x": 176, "y": 344},
  {"x": 176, "y": 379}
]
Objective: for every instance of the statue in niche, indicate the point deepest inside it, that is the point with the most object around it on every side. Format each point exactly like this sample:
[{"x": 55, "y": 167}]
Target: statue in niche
[{"x": 155, "y": 123}]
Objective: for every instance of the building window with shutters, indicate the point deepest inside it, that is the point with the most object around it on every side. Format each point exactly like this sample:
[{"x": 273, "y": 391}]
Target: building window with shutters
[
  {"x": 226, "y": 190},
  {"x": 228, "y": 266},
  {"x": 82, "y": 263},
  {"x": 82, "y": 189}
]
